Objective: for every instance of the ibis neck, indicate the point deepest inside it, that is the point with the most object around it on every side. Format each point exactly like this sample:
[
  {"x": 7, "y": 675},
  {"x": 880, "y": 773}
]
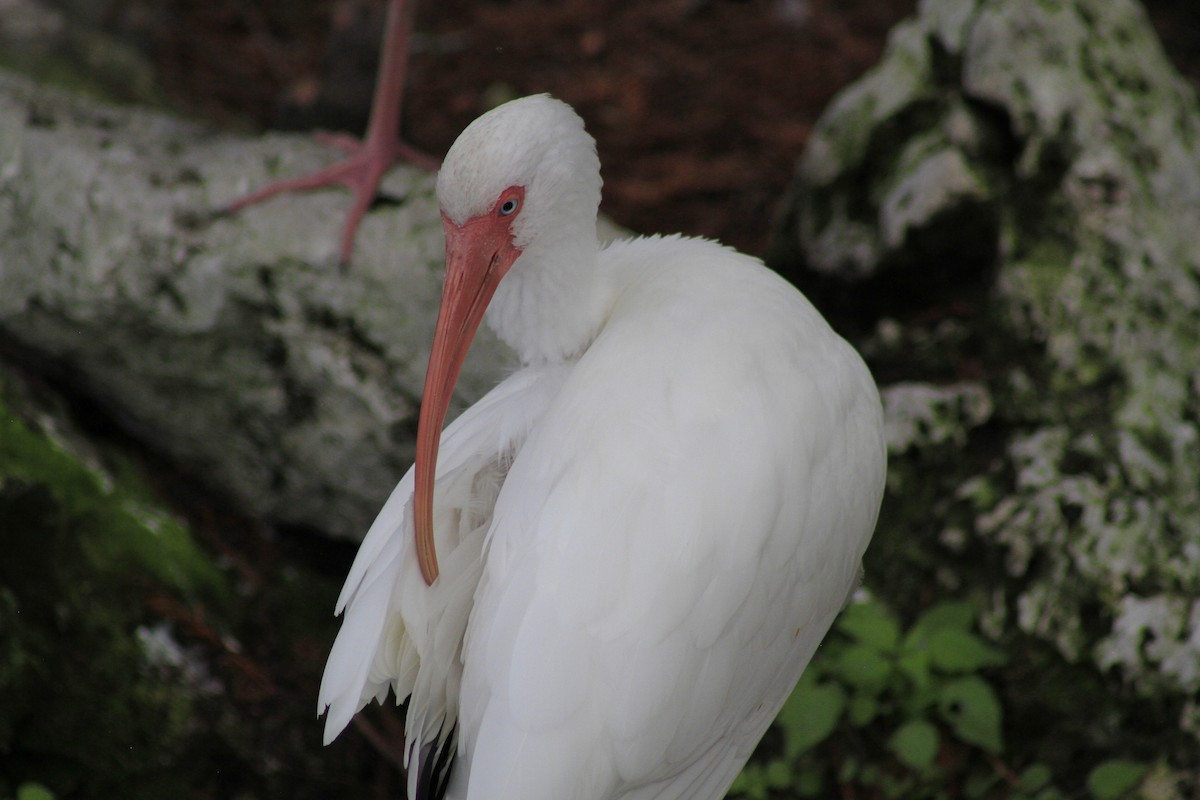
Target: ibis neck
[{"x": 552, "y": 302}]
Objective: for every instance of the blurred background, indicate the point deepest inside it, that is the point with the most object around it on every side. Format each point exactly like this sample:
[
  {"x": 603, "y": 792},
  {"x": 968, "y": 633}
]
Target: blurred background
[{"x": 701, "y": 110}]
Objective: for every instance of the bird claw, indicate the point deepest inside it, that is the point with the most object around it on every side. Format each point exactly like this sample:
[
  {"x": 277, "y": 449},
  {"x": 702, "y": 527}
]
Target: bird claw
[
  {"x": 367, "y": 159},
  {"x": 361, "y": 172}
]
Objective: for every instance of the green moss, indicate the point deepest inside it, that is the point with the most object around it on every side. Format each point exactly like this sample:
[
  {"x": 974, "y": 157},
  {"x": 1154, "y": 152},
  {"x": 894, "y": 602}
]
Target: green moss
[
  {"x": 81, "y": 708},
  {"x": 89, "y": 63},
  {"x": 82, "y": 711},
  {"x": 131, "y": 665},
  {"x": 110, "y": 513}
]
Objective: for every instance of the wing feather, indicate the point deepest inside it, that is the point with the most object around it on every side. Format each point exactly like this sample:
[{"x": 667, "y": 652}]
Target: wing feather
[
  {"x": 397, "y": 634},
  {"x": 667, "y": 553}
]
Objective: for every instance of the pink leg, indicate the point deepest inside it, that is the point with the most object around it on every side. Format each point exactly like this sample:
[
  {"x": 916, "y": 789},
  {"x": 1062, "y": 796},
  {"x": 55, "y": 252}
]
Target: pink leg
[{"x": 370, "y": 158}]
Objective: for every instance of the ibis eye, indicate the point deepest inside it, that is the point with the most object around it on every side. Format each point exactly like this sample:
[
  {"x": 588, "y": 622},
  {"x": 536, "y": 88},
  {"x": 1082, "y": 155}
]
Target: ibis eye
[{"x": 509, "y": 207}]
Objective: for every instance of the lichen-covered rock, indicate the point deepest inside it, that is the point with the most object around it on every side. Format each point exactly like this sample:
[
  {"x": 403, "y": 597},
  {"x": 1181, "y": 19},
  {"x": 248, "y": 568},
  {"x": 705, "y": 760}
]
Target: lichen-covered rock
[
  {"x": 1019, "y": 180},
  {"x": 236, "y": 346},
  {"x": 923, "y": 415}
]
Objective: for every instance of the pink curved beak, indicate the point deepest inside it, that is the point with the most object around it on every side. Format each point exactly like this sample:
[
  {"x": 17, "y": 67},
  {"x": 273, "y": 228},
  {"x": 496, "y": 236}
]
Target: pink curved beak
[{"x": 478, "y": 254}]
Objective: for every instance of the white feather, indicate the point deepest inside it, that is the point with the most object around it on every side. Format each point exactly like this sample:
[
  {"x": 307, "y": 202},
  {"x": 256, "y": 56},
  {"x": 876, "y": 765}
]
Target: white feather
[
  {"x": 643, "y": 540},
  {"x": 675, "y": 516},
  {"x": 396, "y": 634}
]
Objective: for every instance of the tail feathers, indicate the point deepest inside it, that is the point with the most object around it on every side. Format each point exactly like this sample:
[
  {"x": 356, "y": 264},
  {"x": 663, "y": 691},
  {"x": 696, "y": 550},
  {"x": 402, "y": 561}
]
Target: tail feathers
[
  {"x": 433, "y": 768},
  {"x": 345, "y": 686}
]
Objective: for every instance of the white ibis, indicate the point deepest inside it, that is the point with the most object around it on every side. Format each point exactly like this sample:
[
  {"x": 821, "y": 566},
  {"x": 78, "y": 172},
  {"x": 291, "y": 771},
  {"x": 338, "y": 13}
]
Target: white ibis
[
  {"x": 370, "y": 159},
  {"x": 644, "y": 533}
]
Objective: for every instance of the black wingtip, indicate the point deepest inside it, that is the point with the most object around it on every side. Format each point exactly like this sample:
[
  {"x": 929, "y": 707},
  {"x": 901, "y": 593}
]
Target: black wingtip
[{"x": 435, "y": 762}]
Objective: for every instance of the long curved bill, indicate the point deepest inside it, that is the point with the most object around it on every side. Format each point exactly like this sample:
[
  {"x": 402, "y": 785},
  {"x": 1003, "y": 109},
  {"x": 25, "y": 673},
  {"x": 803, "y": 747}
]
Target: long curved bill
[{"x": 478, "y": 254}]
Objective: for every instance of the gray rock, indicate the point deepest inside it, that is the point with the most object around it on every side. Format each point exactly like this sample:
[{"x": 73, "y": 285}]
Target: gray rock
[
  {"x": 235, "y": 346},
  {"x": 1039, "y": 163}
]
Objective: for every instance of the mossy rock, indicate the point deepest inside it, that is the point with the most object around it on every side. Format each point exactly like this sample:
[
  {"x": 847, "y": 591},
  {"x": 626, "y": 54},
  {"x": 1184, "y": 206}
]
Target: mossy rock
[
  {"x": 133, "y": 663},
  {"x": 1015, "y": 188}
]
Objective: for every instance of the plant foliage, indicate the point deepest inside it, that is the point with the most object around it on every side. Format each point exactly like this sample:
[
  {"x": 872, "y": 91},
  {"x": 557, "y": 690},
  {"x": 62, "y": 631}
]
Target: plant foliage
[{"x": 884, "y": 712}]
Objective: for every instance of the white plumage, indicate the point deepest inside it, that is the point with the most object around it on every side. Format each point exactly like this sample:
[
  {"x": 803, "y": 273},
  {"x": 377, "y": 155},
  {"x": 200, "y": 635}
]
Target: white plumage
[{"x": 644, "y": 533}]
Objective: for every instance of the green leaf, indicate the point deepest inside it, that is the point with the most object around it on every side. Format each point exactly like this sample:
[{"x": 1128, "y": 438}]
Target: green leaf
[
  {"x": 34, "y": 791},
  {"x": 809, "y": 783},
  {"x": 1049, "y": 793},
  {"x": 810, "y": 715},
  {"x": 915, "y": 744},
  {"x": 863, "y": 708},
  {"x": 895, "y": 787},
  {"x": 1114, "y": 778},
  {"x": 916, "y": 665},
  {"x": 956, "y": 614},
  {"x": 1035, "y": 777},
  {"x": 751, "y": 783},
  {"x": 863, "y": 667},
  {"x": 979, "y": 784},
  {"x": 957, "y": 650},
  {"x": 972, "y": 710},
  {"x": 779, "y": 774},
  {"x": 870, "y": 624}
]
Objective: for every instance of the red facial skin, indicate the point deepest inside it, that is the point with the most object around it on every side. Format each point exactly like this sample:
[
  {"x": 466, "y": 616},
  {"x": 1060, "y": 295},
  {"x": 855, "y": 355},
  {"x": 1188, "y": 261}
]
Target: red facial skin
[{"x": 478, "y": 255}]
